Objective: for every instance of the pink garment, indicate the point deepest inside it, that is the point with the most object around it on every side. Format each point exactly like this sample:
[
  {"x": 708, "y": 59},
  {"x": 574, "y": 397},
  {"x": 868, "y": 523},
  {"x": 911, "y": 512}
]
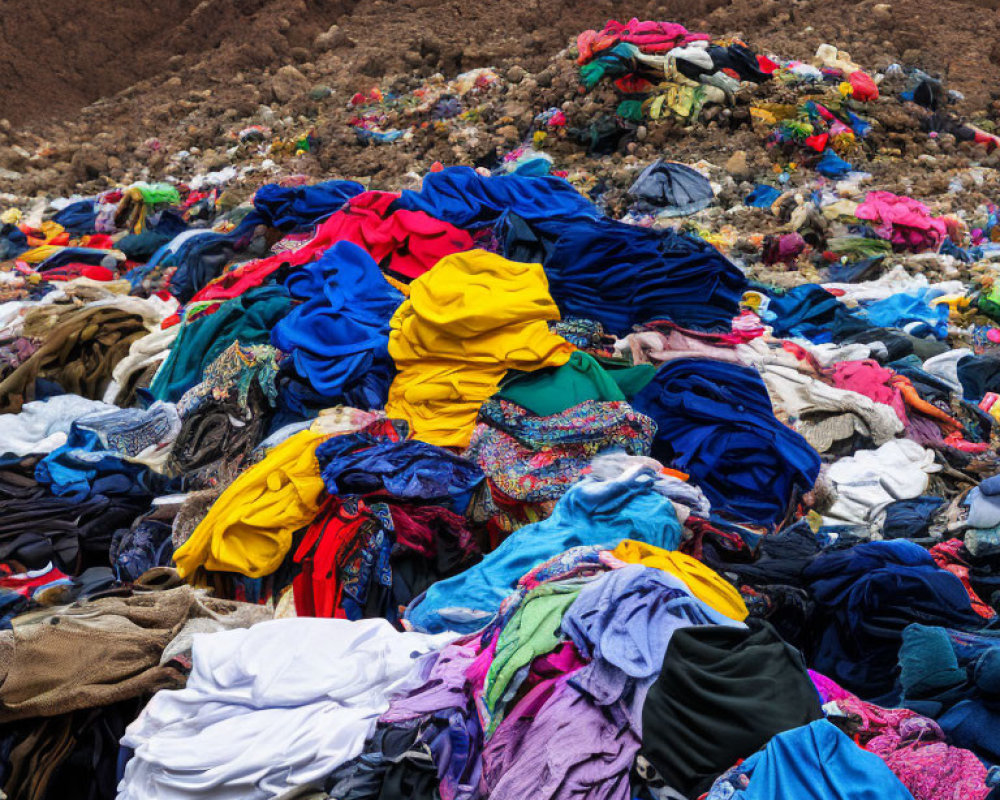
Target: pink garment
[
  {"x": 652, "y": 347},
  {"x": 747, "y": 323},
  {"x": 648, "y": 36},
  {"x": 653, "y": 37},
  {"x": 664, "y": 341},
  {"x": 906, "y": 222},
  {"x": 867, "y": 377},
  {"x": 911, "y": 745}
]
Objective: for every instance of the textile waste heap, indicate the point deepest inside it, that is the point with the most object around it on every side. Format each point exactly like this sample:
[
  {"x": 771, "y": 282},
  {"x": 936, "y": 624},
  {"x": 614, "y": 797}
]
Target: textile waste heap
[{"x": 474, "y": 491}]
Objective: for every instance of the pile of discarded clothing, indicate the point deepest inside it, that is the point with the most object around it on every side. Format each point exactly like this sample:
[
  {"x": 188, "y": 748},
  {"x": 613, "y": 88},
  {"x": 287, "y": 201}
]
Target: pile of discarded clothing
[{"x": 473, "y": 491}]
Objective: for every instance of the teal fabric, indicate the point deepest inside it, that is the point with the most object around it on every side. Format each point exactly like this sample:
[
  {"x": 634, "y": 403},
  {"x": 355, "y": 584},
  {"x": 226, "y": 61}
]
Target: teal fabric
[{"x": 247, "y": 319}]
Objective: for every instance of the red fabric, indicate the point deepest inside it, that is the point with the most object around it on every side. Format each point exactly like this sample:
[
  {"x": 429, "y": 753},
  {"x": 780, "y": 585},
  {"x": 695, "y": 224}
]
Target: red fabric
[
  {"x": 423, "y": 528},
  {"x": 330, "y": 540},
  {"x": 764, "y": 64},
  {"x": 959, "y": 443},
  {"x": 99, "y": 241},
  {"x": 988, "y": 139},
  {"x": 68, "y": 272},
  {"x": 947, "y": 556},
  {"x": 863, "y": 88},
  {"x": 633, "y": 84},
  {"x": 801, "y": 354},
  {"x": 824, "y": 112},
  {"x": 25, "y": 585},
  {"x": 405, "y": 244},
  {"x": 818, "y": 142}
]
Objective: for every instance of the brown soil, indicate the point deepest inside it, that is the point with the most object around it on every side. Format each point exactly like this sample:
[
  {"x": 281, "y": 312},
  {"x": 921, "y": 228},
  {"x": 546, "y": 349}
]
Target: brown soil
[{"x": 175, "y": 75}]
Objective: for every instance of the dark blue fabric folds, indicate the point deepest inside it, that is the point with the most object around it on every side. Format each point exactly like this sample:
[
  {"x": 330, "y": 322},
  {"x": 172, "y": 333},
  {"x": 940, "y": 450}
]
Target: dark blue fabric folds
[
  {"x": 339, "y": 335},
  {"x": 714, "y": 422},
  {"x": 466, "y": 199},
  {"x": 808, "y": 310},
  {"x": 78, "y": 218},
  {"x": 866, "y": 596},
  {"x": 623, "y": 275},
  {"x": 202, "y": 257},
  {"x": 73, "y": 255},
  {"x": 13, "y": 242},
  {"x": 360, "y": 464},
  {"x": 293, "y": 207},
  {"x": 910, "y": 519}
]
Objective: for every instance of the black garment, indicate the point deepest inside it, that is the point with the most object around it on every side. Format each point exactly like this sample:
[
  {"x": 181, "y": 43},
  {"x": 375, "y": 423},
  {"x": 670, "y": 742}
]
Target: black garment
[
  {"x": 394, "y": 766},
  {"x": 218, "y": 436},
  {"x": 68, "y": 757},
  {"x": 788, "y": 608},
  {"x": 741, "y": 60},
  {"x": 897, "y": 344},
  {"x": 722, "y": 694},
  {"x": 781, "y": 557},
  {"x": 73, "y": 535},
  {"x": 979, "y": 375}
]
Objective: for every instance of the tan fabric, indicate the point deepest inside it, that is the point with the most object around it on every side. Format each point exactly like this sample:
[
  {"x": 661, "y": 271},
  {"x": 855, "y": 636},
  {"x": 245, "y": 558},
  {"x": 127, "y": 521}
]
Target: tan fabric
[
  {"x": 99, "y": 652},
  {"x": 79, "y": 351}
]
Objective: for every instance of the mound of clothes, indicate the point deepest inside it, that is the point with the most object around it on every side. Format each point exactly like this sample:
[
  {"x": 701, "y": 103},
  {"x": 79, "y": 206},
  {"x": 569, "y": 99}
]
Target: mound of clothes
[{"x": 473, "y": 492}]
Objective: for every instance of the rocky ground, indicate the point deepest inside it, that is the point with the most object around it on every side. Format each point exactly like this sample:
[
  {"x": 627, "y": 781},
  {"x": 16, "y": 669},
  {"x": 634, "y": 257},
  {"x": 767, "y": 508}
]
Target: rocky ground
[{"x": 181, "y": 84}]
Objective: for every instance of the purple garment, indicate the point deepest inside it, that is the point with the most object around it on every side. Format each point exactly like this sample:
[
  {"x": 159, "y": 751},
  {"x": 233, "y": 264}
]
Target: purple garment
[
  {"x": 451, "y": 730},
  {"x": 445, "y": 686},
  {"x": 623, "y": 621},
  {"x": 557, "y": 744},
  {"x": 457, "y": 753},
  {"x": 924, "y": 431}
]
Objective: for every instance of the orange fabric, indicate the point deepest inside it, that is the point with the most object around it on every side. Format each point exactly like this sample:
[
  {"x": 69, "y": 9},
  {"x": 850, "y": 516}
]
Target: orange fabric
[{"x": 915, "y": 402}]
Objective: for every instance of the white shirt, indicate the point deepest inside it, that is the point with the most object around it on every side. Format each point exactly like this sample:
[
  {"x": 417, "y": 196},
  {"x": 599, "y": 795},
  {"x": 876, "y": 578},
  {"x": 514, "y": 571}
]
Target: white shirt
[{"x": 270, "y": 707}]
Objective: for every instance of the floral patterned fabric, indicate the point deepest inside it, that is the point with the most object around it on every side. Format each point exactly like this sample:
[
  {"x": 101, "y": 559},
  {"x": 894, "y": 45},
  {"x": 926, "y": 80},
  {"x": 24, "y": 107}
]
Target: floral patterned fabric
[{"x": 531, "y": 458}]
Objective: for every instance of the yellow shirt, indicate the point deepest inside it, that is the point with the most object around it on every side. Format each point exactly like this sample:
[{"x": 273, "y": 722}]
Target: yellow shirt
[
  {"x": 249, "y": 528},
  {"x": 467, "y": 321},
  {"x": 703, "y": 582}
]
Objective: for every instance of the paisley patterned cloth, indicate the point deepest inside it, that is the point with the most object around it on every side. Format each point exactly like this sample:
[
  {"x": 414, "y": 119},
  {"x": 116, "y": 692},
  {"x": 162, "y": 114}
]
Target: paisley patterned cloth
[{"x": 532, "y": 458}]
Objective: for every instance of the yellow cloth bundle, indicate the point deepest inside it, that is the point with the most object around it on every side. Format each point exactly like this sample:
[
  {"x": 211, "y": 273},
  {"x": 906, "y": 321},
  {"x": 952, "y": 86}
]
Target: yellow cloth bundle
[
  {"x": 466, "y": 322},
  {"x": 249, "y": 528},
  {"x": 704, "y": 582}
]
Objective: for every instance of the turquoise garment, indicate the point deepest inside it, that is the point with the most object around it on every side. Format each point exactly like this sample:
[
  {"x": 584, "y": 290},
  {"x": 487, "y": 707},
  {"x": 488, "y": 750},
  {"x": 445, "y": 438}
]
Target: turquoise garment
[
  {"x": 592, "y": 512},
  {"x": 814, "y": 762},
  {"x": 247, "y": 319}
]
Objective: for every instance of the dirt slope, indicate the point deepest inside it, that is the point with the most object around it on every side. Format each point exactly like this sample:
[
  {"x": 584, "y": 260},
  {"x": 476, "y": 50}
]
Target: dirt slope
[{"x": 109, "y": 90}]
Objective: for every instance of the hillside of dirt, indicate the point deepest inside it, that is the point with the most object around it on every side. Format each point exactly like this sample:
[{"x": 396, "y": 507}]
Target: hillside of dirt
[{"x": 122, "y": 88}]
